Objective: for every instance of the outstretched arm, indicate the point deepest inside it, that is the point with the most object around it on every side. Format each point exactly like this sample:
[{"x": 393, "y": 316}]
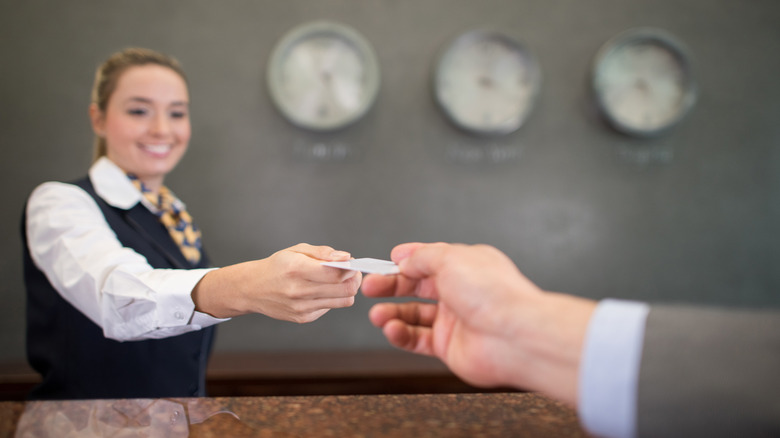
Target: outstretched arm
[
  {"x": 486, "y": 320},
  {"x": 290, "y": 285}
]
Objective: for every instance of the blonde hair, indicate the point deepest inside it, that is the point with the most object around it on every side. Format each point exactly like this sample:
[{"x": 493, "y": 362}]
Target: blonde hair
[{"x": 108, "y": 74}]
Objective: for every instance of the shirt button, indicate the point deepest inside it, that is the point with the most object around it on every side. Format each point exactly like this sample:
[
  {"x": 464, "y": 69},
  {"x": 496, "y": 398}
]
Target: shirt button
[{"x": 178, "y": 315}]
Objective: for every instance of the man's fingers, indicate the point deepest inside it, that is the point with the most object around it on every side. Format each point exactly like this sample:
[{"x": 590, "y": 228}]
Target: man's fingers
[
  {"x": 404, "y": 250},
  {"x": 413, "y": 313},
  {"x": 375, "y": 285},
  {"x": 420, "y": 260},
  {"x": 408, "y": 337}
]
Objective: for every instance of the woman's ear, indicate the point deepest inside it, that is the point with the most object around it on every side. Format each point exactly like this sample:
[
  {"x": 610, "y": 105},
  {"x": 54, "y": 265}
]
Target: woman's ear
[{"x": 97, "y": 119}]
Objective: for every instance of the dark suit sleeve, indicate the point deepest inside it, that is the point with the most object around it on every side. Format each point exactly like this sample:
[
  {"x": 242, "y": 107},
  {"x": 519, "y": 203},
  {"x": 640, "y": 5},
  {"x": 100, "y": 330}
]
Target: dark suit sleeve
[{"x": 710, "y": 373}]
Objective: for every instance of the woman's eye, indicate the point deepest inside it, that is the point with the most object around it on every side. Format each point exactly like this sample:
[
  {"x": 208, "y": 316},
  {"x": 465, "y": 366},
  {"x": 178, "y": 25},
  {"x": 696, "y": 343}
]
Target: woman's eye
[
  {"x": 137, "y": 111},
  {"x": 178, "y": 114}
]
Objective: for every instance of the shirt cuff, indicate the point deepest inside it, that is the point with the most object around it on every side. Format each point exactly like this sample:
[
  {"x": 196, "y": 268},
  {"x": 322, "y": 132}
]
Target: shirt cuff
[
  {"x": 609, "y": 371},
  {"x": 176, "y": 306},
  {"x": 202, "y": 320}
]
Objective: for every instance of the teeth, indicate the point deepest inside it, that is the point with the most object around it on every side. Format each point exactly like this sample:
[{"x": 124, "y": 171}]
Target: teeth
[{"x": 157, "y": 148}]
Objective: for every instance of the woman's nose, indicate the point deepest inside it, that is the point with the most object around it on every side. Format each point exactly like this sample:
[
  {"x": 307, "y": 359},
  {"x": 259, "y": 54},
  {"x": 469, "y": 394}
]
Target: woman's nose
[{"x": 160, "y": 125}]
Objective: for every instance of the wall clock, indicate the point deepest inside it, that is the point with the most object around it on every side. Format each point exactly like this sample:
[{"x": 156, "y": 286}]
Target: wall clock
[
  {"x": 486, "y": 82},
  {"x": 643, "y": 82},
  {"x": 323, "y": 76}
]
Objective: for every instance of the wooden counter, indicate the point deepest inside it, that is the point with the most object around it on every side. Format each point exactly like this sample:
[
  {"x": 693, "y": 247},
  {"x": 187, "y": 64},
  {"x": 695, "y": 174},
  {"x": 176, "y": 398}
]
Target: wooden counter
[{"x": 417, "y": 415}]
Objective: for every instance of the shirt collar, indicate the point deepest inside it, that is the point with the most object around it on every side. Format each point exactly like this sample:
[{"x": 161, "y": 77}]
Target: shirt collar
[{"x": 112, "y": 184}]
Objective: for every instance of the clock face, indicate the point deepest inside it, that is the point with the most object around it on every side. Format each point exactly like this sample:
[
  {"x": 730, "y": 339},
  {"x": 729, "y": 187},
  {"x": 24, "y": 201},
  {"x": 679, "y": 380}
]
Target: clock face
[
  {"x": 643, "y": 83},
  {"x": 323, "y": 76},
  {"x": 487, "y": 83}
]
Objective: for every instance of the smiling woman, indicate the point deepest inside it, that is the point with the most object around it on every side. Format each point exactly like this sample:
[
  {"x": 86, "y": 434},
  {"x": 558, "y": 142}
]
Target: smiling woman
[
  {"x": 115, "y": 257},
  {"x": 146, "y": 122}
]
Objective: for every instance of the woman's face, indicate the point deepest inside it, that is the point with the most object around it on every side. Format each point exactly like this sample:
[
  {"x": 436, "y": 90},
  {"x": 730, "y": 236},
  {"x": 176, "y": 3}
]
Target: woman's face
[{"x": 146, "y": 123}]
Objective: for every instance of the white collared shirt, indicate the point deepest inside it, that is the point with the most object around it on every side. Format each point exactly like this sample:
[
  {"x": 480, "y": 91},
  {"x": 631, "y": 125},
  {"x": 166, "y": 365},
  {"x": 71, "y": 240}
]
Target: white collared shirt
[{"x": 114, "y": 286}]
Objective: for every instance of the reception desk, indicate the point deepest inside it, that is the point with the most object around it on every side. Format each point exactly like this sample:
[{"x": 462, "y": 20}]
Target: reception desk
[{"x": 397, "y": 415}]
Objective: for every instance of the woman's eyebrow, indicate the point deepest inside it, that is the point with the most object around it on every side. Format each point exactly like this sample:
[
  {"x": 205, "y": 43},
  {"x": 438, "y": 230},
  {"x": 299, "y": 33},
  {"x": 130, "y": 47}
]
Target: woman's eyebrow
[
  {"x": 150, "y": 101},
  {"x": 140, "y": 99}
]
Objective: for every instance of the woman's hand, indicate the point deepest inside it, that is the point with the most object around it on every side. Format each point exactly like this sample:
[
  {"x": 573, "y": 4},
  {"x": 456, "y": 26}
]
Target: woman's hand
[{"x": 290, "y": 285}]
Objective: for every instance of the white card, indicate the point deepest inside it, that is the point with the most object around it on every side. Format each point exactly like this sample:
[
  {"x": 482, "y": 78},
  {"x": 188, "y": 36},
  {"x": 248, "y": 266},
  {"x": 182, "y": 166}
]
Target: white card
[{"x": 367, "y": 265}]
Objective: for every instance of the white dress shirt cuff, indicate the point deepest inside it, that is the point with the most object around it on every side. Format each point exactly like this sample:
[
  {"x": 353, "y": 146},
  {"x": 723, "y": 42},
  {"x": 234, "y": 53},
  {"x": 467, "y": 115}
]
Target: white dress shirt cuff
[
  {"x": 169, "y": 293},
  {"x": 609, "y": 371},
  {"x": 176, "y": 306}
]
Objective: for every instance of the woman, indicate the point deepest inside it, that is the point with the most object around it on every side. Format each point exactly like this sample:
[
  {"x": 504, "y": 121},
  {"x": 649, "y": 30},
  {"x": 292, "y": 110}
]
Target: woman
[{"x": 121, "y": 299}]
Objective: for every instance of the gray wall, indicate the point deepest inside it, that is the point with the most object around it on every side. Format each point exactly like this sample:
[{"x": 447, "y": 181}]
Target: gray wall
[{"x": 692, "y": 216}]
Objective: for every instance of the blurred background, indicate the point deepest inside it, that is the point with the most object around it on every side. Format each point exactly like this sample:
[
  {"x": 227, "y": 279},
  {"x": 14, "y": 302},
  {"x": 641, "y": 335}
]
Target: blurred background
[{"x": 690, "y": 216}]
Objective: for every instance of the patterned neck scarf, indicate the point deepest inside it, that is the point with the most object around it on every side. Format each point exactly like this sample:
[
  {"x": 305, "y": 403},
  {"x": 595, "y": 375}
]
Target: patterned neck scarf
[{"x": 178, "y": 222}]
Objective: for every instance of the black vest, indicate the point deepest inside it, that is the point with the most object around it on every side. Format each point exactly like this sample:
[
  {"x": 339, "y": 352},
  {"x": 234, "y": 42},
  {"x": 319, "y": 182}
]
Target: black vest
[{"x": 73, "y": 356}]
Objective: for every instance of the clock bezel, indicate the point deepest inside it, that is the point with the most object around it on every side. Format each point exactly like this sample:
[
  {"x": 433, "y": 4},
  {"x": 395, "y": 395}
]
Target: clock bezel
[
  {"x": 644, "y": 35},
  {"x": 515, "y": 43},
  {"x": 319, "y": 28}
]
